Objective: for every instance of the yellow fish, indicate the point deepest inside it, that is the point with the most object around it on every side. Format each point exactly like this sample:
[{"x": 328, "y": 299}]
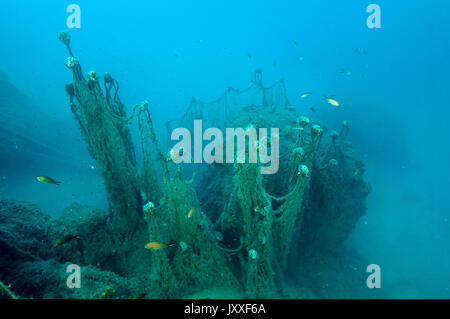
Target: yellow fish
[
  {"x": 156, "y": 245},
  {"x": 48, "y": 180},
  {"x": 66, "y": 239},
  {"x": 140, "y": 296},
  {"x": 306, "y": 94},
  {"x": 190, "y": 212},
  {"x": 262, "y": 211},
  {"x": 331, "y": 101}
]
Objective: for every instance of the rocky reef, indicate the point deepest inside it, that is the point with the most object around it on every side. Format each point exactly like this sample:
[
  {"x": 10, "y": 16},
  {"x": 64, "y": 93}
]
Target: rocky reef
[
  {"x": 36, "y": 268},
  {"x": 228, "y": 226}
]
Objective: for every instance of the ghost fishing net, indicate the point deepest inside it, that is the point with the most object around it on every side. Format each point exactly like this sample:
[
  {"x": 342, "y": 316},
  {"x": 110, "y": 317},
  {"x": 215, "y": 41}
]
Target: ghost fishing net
[
  {"x": 260, "y": 222},
  {"x": 219, "y": 113}
]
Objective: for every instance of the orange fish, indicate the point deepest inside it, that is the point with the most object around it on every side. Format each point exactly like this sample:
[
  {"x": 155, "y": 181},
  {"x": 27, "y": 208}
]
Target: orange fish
[
  {"x": 155, "y": 245},
  {"x": 190, "y": 212}
]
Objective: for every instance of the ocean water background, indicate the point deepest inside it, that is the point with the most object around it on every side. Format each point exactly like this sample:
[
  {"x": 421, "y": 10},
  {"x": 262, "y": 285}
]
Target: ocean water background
[{"x": 396, "y": 99}]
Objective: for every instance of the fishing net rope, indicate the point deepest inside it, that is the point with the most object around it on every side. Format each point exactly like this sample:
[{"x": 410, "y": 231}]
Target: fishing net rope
[{"x": 218, "y": 113}]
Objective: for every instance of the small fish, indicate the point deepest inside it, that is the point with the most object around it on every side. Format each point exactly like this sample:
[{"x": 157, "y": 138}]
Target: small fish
[
  {"x": 156, "y": 245},
  {"x": 300, "y": 58},
  {"x": 331, "y": 100},
  {"x": 306, "y": 94},
  {"x": 346, "y": 71},
  {"x": 360, "y": 50},
  {"x": 140, "y": 296},
  {"x": 313, "y": 109},
  {"x": 249, "y": 55},
  {"x": 66, "y": 239},
  {"x": 262, "y": 211},
  {"x": 191, "y": 212},
  {"x": 292, "y": 107},
  {"x": 48, "y": 180},
  {"x": 295, "y": 42}
]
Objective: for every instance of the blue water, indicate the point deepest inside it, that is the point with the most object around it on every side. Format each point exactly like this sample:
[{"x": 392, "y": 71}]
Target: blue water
[{"x": 396, "y": 99}]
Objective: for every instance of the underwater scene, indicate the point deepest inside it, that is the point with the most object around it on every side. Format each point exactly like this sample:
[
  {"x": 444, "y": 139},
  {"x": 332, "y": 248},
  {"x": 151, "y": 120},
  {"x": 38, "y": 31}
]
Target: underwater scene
[{"x": 224, "y": 149}]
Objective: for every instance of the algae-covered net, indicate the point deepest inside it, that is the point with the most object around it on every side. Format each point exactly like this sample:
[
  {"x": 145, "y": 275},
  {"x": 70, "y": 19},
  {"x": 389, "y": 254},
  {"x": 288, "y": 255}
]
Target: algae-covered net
[
  {"x": 260, "y": 224},
  {"x": 219, "y": 112},
  {"x": 233, "y": 227}
]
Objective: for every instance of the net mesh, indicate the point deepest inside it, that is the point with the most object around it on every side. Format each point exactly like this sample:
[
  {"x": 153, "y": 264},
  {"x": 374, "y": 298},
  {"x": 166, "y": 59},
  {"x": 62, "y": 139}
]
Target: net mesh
[{"x": 219, "y": 112}]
